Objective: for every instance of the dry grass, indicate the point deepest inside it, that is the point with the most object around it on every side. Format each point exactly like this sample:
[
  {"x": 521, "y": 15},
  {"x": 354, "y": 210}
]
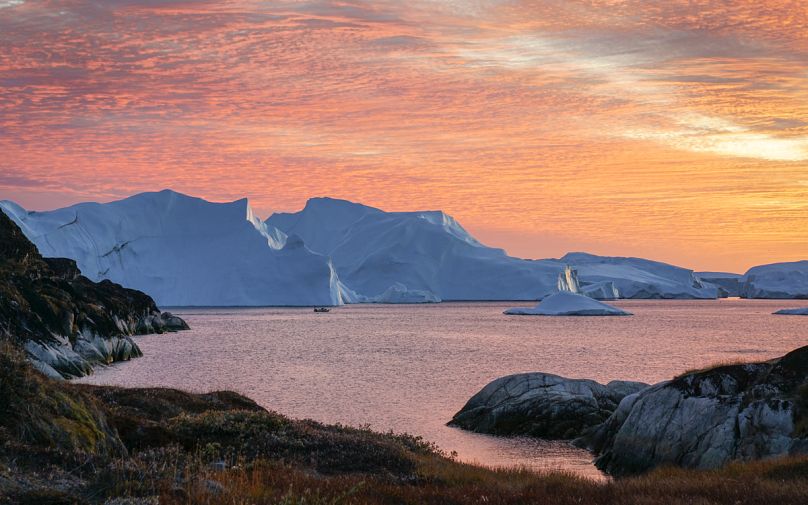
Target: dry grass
[
  {"x": 713, "y": 366},
  {"x": 784, "y": 482}
]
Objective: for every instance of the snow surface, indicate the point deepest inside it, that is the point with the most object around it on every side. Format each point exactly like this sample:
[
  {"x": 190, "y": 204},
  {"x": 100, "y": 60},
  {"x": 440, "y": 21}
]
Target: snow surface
[
  {"x": 184, "y": 251},
  {"x": 728, "y": 284},
  {"x": 639, "y": 278},
  {"x": 718, "y": 275},
  {"x": 565, "y": 303},
  {"x": 793, "y": 312},
  {"x": 604, "y": 290},
  {"x": 777, "y": 280},
  {"x": 399, "y": 293},
  {"x": 425, "y": 251}
]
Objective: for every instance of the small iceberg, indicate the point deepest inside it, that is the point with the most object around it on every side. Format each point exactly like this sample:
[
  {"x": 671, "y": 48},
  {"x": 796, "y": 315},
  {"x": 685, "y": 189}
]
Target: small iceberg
[
  {"x": 565, "y": 303},
  {"x": 793, "y": 312}
]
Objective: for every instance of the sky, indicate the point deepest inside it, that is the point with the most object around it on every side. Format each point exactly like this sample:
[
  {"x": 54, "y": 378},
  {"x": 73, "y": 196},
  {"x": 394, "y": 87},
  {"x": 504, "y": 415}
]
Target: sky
[{"x": 670, "y": 129}]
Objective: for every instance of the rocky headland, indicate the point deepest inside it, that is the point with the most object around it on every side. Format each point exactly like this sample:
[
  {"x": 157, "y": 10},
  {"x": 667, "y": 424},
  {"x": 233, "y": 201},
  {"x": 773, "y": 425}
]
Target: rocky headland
[
  {"x": 66, "y": 323},
  {"x": 708, "y": 418},
  {"x": 701, "y": 420}
]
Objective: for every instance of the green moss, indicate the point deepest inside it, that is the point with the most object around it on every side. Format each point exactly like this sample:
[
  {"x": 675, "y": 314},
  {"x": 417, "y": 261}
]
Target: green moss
[
  {"x": 76, "y": 425},
  {"x": 50, "y": 413}
]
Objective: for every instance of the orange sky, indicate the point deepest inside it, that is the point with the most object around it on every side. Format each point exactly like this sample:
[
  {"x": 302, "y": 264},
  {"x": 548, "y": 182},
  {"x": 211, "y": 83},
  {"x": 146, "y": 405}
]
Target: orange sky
[{"x": 669, "y": 129}]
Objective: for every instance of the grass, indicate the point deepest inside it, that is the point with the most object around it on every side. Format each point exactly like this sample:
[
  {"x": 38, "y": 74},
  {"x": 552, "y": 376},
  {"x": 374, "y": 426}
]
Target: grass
[
  {"x": 442, "y": 482},
  {"x": 713, "y": 366},
  {"x": 64, "y": 443}
]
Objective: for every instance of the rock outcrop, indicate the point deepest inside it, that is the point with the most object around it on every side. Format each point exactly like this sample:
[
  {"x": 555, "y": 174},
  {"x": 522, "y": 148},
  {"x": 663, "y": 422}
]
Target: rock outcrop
[
  {"x": 708, "y": 418},
  {"x": 542, "y": 405},
  {"x": 65, "y": 322}
]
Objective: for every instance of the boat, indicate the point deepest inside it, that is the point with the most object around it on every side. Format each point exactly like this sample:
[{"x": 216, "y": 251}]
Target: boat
[{"x": 322, "y": 309}]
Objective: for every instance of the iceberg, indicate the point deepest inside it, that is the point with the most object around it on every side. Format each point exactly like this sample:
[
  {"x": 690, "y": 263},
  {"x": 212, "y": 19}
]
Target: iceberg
[
  {"x": 184, "y": 251},
  {"x": 425, "y": 251},
  {"x": 604, "y": 290},
  {"x": 728, "y": 284},
  {"x": 640, "y": 278},
  {"x": 793, "y": 312},
  {"x": 565, "y": 303},
  {"x": 777, "y": 280},
  {"x": 399, "y": 293}
]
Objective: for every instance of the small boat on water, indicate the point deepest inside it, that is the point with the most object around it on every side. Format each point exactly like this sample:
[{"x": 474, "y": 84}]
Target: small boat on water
[{"x": 322, "y": 309}]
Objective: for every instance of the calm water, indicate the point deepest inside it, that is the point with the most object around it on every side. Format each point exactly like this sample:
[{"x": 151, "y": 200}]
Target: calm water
[{"x": 410, "y": 368}]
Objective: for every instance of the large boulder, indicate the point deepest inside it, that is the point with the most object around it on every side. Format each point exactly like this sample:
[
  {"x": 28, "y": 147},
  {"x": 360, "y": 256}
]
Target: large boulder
[
  {"x": 542, "y": 405},
  {"x": 708, "y": 418}
]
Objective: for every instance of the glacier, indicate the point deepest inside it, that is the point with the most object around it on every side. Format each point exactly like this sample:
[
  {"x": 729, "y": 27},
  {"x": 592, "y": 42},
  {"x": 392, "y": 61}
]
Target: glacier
[
  {"x": 776, "y": 280},
  {"x": 565, "y": 303},
  {"x": 184, "y": 251},
  {"x": 429, "y": 251},
  {"x": 640, "y": 278}
]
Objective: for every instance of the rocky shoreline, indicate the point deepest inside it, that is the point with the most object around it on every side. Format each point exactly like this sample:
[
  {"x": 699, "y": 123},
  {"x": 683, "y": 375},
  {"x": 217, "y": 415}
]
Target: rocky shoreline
[
  {"x": 66, "y": 323},
  {"x": 702, "y": 419}
]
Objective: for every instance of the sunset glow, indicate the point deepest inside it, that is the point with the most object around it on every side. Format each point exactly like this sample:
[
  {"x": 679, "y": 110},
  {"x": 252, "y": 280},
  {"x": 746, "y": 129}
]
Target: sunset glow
[{"x": 674, "y": 130}]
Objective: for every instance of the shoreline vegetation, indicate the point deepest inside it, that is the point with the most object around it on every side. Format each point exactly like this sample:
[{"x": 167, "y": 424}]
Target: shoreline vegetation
[{"x": 67, "y": 443}]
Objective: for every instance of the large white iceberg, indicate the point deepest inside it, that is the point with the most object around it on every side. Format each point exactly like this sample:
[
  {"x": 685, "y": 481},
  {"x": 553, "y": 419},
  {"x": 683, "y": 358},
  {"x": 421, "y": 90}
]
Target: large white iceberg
[
  {"x": 565, "y": 303},
  {"x": 604, "y": 290},
  {"x": 639, "y": 278},
  {"x": 777, "y": 280},
  {"x": 425, "y": 251},
  {"x": 399, "y": 293},
  {"x": 793, "y": 312},
  {"x": 184, "y": 251},
  {"x": 728, "y": 284}
]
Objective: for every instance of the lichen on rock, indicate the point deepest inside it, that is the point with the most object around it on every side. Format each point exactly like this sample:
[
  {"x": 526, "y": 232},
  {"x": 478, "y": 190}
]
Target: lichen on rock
[{"x": 66, "y": 323}]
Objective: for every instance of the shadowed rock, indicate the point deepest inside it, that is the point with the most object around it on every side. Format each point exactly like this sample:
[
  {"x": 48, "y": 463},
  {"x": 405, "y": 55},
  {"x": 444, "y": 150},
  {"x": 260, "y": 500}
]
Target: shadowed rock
[
  {"x": 542, "y": 405},
  {"x": 708, "y": 418},
  {"x": 65, "y": 322}
]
